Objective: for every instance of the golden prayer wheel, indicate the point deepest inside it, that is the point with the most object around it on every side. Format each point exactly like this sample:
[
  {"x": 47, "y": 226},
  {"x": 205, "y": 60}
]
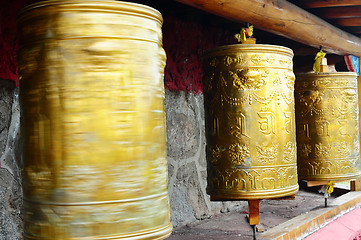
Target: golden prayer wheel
[
  {"x": 93, "y": 122},
  {"x": 249, "y": 103},
  {"x": 328, "y": 145}
]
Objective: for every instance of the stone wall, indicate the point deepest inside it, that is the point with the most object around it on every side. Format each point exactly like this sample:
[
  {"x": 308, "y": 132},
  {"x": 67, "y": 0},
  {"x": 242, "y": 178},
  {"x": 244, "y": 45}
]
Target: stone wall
[
  {"x": 10, "y": 179},
  {"x": 186, "y": 154}
]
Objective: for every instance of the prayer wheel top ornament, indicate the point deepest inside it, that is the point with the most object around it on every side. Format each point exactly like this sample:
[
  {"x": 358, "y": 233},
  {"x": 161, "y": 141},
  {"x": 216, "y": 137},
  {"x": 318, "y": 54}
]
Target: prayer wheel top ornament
[
  {"x": 327, "y": 125},
  {"x": 249, "y": 103},
  {"x": 93, "y": 124}
]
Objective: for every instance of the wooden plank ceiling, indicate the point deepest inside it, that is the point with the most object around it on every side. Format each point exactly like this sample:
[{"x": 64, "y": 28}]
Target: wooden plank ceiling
[{"x": 344, "y": 14}]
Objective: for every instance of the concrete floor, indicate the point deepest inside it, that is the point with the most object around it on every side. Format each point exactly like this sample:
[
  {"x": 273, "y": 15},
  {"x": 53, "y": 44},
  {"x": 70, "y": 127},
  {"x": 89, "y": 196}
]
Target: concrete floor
[{"x": 234, "y": 226}]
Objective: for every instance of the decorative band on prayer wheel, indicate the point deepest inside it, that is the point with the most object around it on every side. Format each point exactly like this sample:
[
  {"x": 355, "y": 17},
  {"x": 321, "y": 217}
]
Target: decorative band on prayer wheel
[
  {"x": 93, "y": 123},
  {"x": 328, "y": 145},
  {"x": 249, "y": 103}
]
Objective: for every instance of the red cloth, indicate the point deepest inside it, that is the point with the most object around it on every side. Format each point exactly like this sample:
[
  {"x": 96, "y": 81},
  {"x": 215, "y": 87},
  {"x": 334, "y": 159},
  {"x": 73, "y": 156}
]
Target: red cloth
[
  {"x": 184, "y": 43},
  {"x": 8, "y": 39}
]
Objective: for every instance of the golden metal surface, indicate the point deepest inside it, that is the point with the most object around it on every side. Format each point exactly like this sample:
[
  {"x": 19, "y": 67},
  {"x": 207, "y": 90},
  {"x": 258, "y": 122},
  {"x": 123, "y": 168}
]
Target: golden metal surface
[
  {"x": 93, "y": 121},
  {"x": 327, "y": 126},
  {"x": 249, "y": 102}
]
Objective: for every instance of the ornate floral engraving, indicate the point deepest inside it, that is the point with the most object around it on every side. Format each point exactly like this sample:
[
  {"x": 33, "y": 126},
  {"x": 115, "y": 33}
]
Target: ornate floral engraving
[
  {"x": 310, "y": 99},
  {"x": 321, "y": 82},
  {"x": 238, "y": 153},
  {"x": 322, "y": 149},
  {"x": 251, "y": 83},
  {"x": 349, "y": 96},
  {"x": 256, "y": 59},
  {"x": 270, "y": 60},
  {"x": 228, "y": 60},
  {"x": 289, "y": 152},
  {"x": 284, "y": 61},
  {"x": 246, "y": 79},
  {"x": 278, "y": 89},
  {"x": 267, "y": 154}
]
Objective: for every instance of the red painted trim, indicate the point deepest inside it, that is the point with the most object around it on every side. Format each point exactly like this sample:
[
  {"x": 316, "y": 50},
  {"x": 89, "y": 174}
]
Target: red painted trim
[{"x": 346, "y": 227}]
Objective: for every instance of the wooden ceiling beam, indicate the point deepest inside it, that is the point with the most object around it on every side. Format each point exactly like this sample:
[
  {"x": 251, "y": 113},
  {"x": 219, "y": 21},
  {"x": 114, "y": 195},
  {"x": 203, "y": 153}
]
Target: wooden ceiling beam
[
  {"x": 339, "y": 12},
  {"x": 328, "y": 3},
  {"x": 348, "y": 22},
  {"x": 283, "y": 18}
]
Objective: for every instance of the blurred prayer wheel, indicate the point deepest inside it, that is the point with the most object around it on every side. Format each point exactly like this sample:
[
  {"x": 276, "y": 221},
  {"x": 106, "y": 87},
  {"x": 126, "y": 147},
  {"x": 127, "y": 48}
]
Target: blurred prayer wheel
[
  {"x": 249, "y": 103},
  {"x": 327, "y": 126},
  {"x": 93, "y": 121}
]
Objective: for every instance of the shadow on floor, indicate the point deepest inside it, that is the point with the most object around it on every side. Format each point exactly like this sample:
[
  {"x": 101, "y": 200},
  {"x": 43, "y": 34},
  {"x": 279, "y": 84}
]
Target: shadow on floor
[{"x": 234, "y": 226}]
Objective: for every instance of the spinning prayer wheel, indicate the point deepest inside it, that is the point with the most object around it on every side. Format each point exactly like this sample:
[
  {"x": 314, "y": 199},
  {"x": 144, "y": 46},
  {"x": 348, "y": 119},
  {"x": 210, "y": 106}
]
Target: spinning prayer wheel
[
  {"x": 327, "y": 126},
  {"x": 93, "y": 122},
  {"x": 251, "y": 139}
]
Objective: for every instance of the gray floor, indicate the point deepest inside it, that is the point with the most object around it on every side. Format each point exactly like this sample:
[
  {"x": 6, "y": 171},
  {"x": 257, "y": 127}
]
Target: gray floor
[{"x": 234, "y": 226}]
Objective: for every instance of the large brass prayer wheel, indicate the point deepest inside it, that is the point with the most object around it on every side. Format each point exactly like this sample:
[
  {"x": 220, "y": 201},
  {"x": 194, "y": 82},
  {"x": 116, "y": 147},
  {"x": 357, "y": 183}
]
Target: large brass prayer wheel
[
  {"x": 93, "y": 122},
  {"x": 249, "y": 103},
  {"x": 327, "y": 126}
]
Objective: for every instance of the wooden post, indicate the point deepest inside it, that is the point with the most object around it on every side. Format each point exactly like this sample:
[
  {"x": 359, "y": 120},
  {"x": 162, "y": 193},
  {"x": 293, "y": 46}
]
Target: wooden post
[
  {"x": 253, "y": 211},
  {"x": 356, "y": 185}
]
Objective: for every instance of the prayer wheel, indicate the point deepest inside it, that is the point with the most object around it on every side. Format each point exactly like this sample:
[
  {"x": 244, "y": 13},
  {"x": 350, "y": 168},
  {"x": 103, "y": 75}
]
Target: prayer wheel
[
  {"x": 249, "y": 104},
  {"x": 93, "y": 121},
  {"x": 328, "y": 145}
]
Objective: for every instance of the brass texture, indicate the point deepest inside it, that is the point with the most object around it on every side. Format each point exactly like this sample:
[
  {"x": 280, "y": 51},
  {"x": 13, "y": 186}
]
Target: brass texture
[
  {"x": 93, "y": 123},
  {"x": 328, "y": 145},
  {"x": 249, "y": 103}
]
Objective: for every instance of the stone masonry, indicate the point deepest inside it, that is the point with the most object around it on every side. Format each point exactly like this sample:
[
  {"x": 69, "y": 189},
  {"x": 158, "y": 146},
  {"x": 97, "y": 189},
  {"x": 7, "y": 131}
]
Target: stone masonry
[
  {"x": 186, "y": 154},
  {"x": 10, "y": 179}
]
